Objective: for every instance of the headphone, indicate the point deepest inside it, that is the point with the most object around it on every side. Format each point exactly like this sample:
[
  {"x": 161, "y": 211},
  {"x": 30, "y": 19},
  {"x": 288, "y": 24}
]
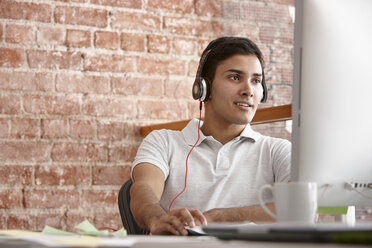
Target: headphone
[{"x": 201, "y": 88}]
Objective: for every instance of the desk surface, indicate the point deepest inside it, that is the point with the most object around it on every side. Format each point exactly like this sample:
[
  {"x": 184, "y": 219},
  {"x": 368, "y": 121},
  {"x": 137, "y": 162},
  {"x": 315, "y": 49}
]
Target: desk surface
[{"x": 143, "y": 241}]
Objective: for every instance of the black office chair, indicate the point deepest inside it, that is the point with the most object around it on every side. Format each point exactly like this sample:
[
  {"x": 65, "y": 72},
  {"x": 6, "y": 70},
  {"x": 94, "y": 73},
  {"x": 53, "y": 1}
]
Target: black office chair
[{"x": 125, "y": 212}]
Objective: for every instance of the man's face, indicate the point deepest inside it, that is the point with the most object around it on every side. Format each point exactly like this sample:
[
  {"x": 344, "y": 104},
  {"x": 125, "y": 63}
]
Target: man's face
[{"x": 236, "y": 90}]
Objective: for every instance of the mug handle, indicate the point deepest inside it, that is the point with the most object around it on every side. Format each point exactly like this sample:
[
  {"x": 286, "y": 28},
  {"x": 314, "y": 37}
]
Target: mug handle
[{"x": 266, "y": 209}]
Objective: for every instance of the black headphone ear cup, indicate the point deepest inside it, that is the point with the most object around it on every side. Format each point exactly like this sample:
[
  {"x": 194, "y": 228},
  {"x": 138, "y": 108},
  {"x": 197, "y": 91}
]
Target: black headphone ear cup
[
  {"x": 196, "y": 90},
  {"x": 264, "y": 95}
]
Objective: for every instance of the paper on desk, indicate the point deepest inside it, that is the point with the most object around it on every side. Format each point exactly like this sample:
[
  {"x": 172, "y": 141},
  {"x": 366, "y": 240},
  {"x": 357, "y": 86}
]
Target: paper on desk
[
  {"x": 86, "y": 228},
  {"x": 19, "y": 233}
]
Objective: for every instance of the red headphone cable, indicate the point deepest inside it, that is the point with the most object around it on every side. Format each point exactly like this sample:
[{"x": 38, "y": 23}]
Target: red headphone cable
[{"x": 187, "y": 158}]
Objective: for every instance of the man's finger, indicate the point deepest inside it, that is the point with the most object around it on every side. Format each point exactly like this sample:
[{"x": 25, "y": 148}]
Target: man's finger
[{"x": 199, "y": 217}]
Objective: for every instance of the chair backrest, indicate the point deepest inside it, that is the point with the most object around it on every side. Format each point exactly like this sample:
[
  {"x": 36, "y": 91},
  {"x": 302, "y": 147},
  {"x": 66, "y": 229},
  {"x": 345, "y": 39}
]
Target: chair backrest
[{"x": 125, "y": 212}]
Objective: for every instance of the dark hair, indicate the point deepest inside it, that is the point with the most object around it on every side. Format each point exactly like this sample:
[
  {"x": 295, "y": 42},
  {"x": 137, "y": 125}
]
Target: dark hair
[{"x": 223, "y": 48}]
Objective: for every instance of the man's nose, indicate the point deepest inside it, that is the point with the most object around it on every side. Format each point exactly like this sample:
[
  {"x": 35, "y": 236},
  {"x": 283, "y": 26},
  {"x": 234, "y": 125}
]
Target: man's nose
[{"x": 247, "y": 89}]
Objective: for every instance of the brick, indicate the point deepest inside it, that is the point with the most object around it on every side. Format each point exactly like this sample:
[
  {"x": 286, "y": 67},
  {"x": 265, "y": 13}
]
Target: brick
[
  {"x": 210, "y": 8},
  {"x": 73, "y": 1},
  {"x": 75, "y": 217},
  {"x": 51, "y": 36},
  {"x": 80, "y": 129},
  {"x": 54, "y": 129},
  {"x": 24, "y": 151},
  {"x": 132, "y": 42},
  {"x": 279, "y": 75},
  {"x": 10, "y": 198},
  {"x": 261, "y": 12},
  {"x": 81, "y": 83},
  {"x": 3, "y": 224},
  {"x": 159, "y": 44},
  {"x": 65, "y": 152},
  {"x": 52, "y": 105},
  {"x": 26, "y": 81},
  {"x": 99, "y": 198},
  {"x": 218, "y": 28},
  {"x": 54, "y": 59},
  {"x": 181, "y": 25},
  {"x": 161, "y": 110},
  {"x": 24, "y": 128},
  {"x": 22, "y": 221},
  {"x": 132, "y": 4},
  {"x": 193, "y": 68},
  {"x": 202, "y": 44},
  {"x": 185, "y": 46},
  {"x": 10, "y": 57},
  {"x": 56, "y": 220},
  {"x": 51, "y": 198},
  {"x": 135, "y": 21},
  {"x": 122, "y": 153},
  {"x": 16, "y": 175},
  {"x": 281, "y": 55},
  {"x": 102, "y": 217},
  {"x": 282, "y": 94},
  {"x": 62, "y": 175},
  {"x": 178, "y": 89},
  {"x": 284, "y": 2},
  {"x": 19, "y": 34},
  {"x": 153, "y": 66},
  {"x": 81, "y": 16},
  {"x": 108, "y": 130},
  {"x": 110, "y": 175},
  {"x": 10, "y": 104},
  {"x": 276, "y": 35},
  {"x": 1, "y": 32},
  {"x": 106, "y": 40},
  {"x": 193, "y": 109},
  {"x": 27, "y": 11},
  {"x": 173, "y": 6},
  {"x": 110, "y": 63},
  {"x": 242, "y": 29},
  {"x": 4, "y": 128},
  {"x": 140, "y": 86},
  {"x": 132, "y": 131},
  {"x": 122, "y": 108},
  {"x": 77, "y": 38}
]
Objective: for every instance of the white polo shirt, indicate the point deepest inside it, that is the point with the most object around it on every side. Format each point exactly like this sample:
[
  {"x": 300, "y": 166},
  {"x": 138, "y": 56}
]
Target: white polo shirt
[{"x": 219, "y": 176}]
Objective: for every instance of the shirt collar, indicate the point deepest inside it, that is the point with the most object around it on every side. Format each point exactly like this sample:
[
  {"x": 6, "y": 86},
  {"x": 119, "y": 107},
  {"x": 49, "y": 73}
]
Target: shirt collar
[{"x": 190, "y": 133}]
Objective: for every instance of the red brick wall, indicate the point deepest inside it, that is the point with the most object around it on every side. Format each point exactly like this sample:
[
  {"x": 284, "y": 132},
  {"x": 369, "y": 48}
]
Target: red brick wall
[{"x": 79, "y": 77}]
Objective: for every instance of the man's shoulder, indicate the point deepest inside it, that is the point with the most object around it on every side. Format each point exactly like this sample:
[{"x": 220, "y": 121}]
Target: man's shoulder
[{"x": 274, "y": 141}]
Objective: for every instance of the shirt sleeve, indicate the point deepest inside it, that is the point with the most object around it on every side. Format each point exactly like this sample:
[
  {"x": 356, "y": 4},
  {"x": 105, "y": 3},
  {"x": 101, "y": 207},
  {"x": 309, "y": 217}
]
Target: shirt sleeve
[
  {"x": 282, "y": 160},
  {"x": 154, "y": 150}
]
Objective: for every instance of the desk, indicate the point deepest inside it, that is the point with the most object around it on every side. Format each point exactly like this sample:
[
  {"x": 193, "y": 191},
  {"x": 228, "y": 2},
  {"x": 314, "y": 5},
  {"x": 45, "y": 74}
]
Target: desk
[{"x": 37, "y": 241}]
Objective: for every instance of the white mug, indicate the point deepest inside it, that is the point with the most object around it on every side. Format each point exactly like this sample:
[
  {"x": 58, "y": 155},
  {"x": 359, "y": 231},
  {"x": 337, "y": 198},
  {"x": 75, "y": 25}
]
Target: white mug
[{"x": 294, "y": 201}]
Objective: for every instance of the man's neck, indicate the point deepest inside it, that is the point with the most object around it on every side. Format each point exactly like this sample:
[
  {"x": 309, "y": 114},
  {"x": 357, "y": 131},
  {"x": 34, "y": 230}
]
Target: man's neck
[{"x": 221, "y": 132}]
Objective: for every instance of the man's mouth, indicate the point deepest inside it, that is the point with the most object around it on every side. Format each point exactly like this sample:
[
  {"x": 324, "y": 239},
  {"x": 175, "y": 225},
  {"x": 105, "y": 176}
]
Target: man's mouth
[{"x": 244, "y": 104}]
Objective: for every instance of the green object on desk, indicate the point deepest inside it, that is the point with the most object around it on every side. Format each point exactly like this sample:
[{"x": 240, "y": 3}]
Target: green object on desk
[
  {"x": 53, "y": 231},
  {"x": 332, "y": 210},
  {"x": 87, "y": 228}
]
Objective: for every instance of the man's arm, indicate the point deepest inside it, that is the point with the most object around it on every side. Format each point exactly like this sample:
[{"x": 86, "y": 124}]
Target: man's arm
[
  {"x": 251, "y": 213},
  {"x": 147, "y": 188}
]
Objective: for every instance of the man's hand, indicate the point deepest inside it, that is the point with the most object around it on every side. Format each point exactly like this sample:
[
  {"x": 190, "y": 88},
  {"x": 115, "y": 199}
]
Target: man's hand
[{"x": 176, "y": 221}]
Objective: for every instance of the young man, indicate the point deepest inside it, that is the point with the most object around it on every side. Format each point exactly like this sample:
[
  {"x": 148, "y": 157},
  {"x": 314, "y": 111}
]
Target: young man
[{"x": 230, "y": 161}]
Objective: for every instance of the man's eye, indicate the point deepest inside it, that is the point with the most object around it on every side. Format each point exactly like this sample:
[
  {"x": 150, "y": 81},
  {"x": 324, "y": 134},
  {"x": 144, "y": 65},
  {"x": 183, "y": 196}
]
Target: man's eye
[
  {"x": 234, "y": 77},
  {"x": 257, "y": 81}
]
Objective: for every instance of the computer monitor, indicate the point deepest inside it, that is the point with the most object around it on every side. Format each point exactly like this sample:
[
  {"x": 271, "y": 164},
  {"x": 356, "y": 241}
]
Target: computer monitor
[{"x": 332, "y": 100}]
